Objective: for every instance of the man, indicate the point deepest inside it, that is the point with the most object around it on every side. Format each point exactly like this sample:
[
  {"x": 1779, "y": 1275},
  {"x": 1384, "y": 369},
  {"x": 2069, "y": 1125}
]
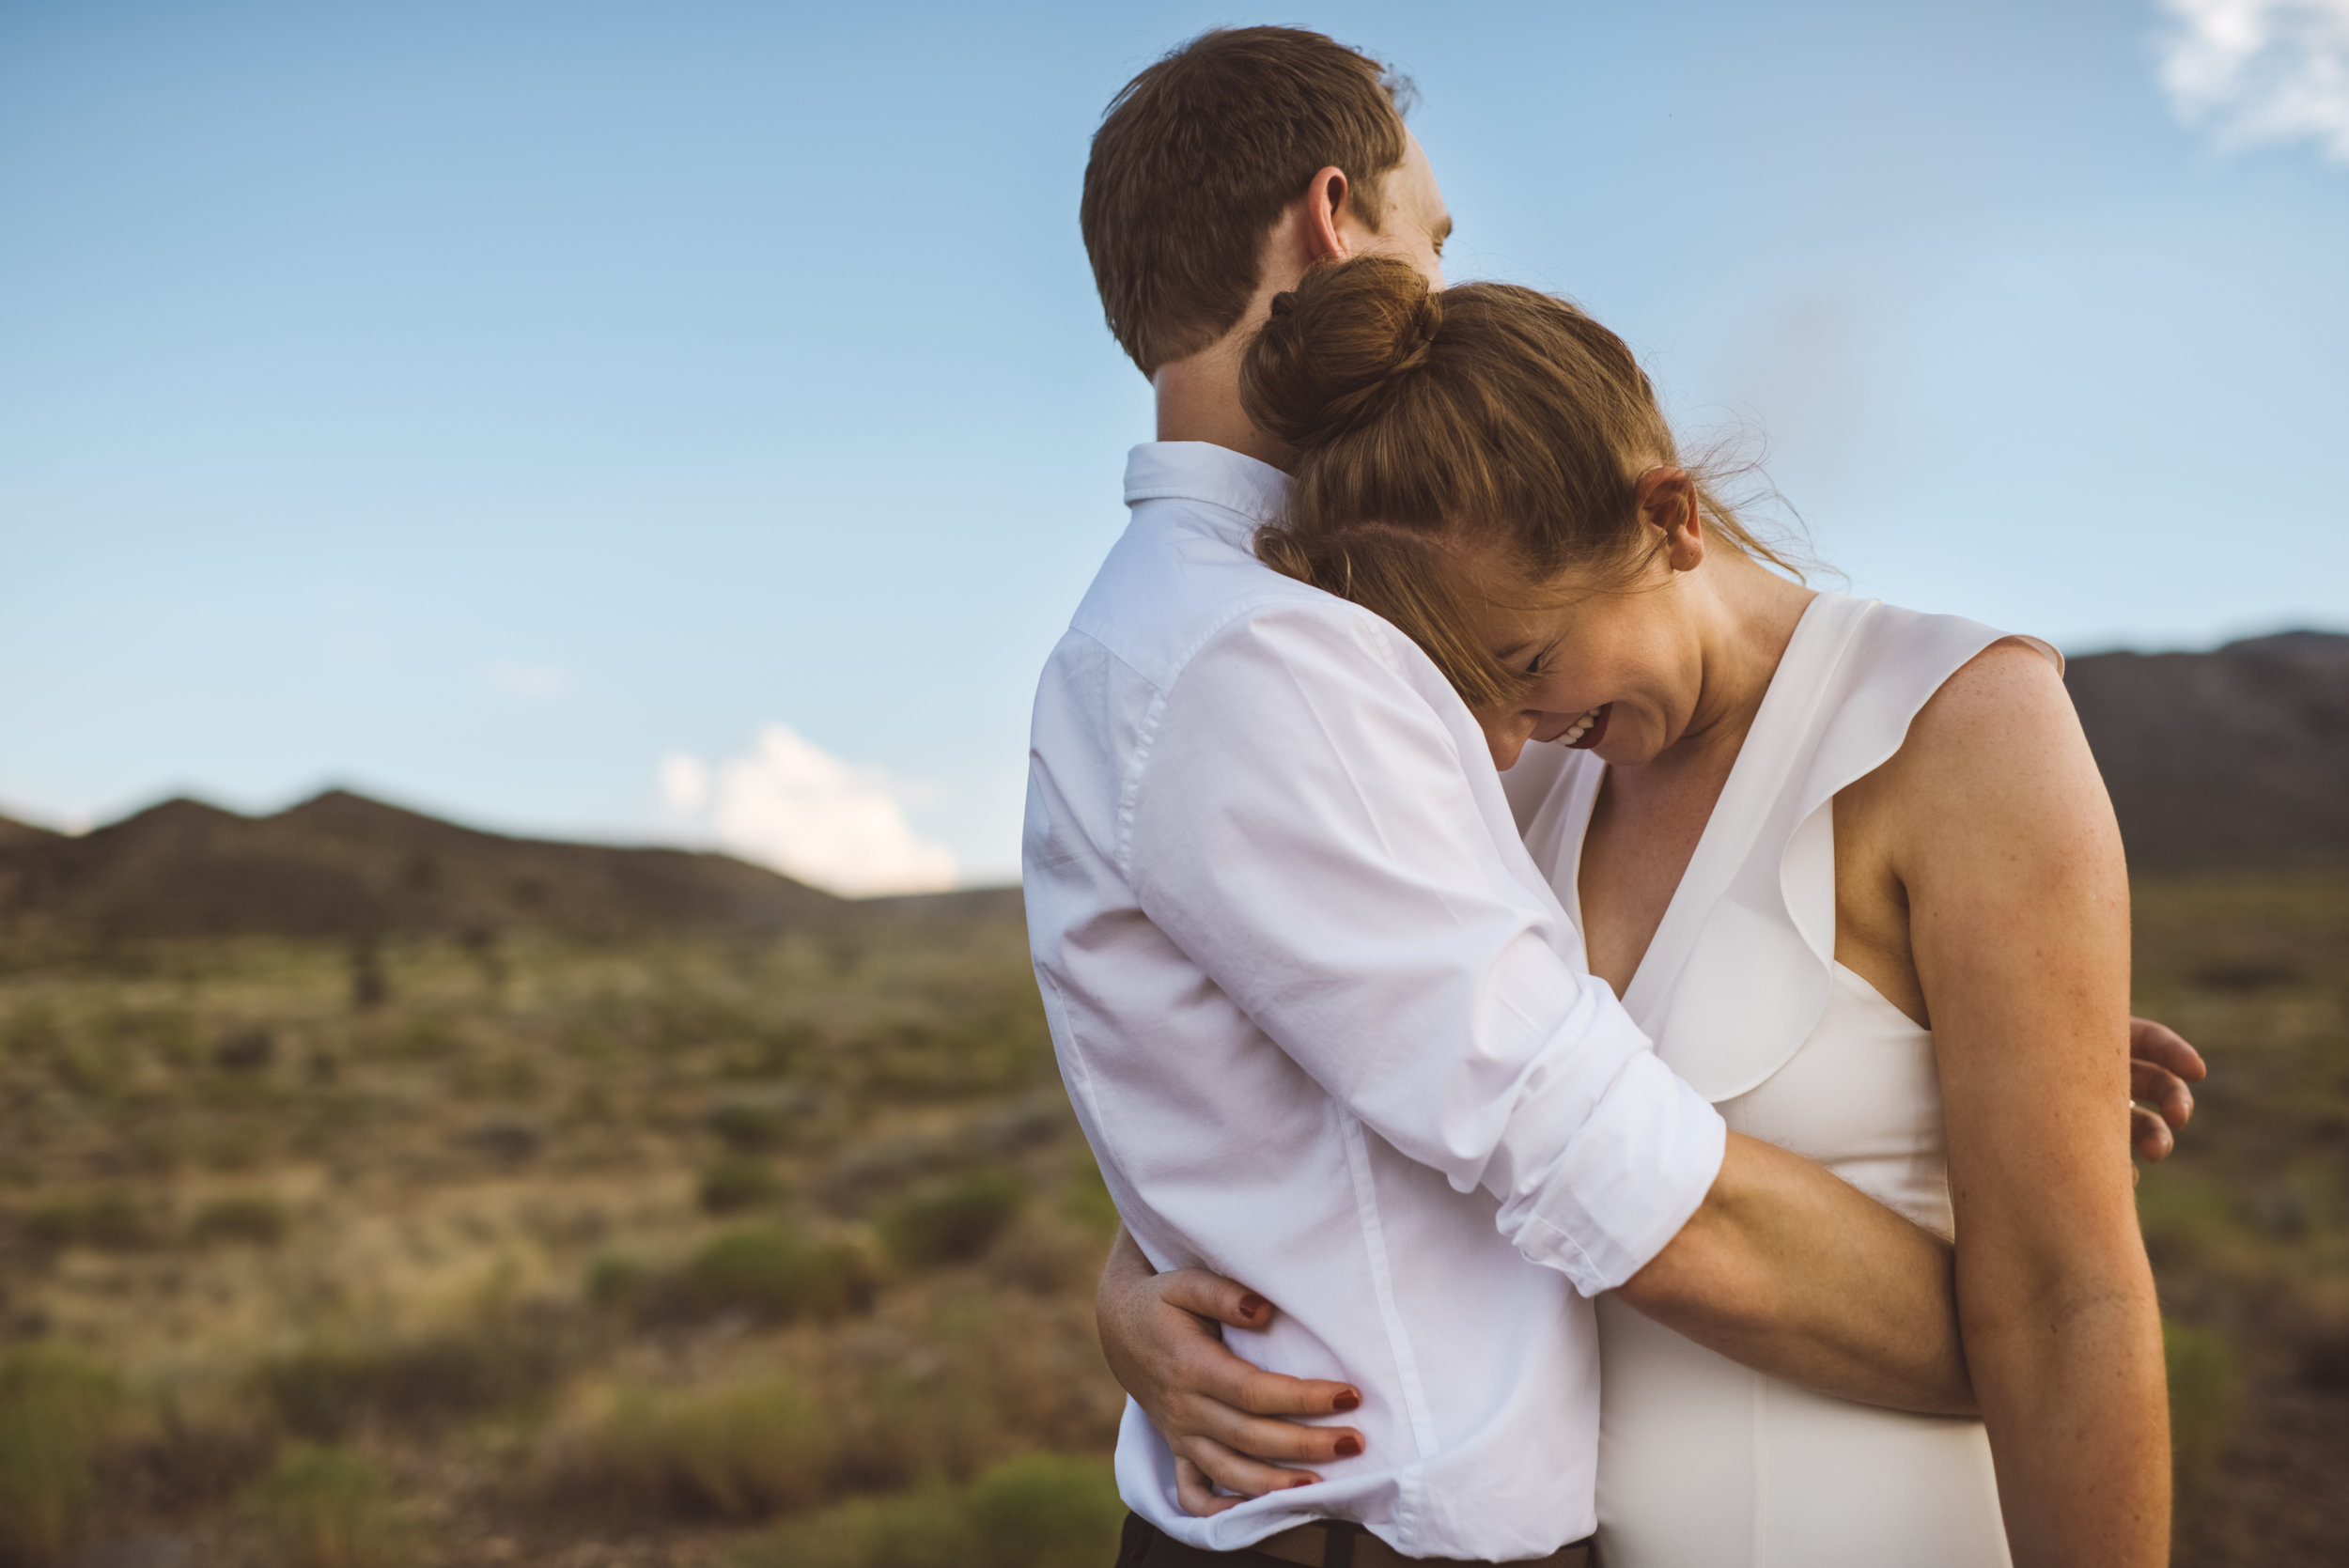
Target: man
[{"x": 1322, "y": 1020}]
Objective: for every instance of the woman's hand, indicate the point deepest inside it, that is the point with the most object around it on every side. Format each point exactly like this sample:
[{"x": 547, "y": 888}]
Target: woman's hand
[
  {"x": 2161, "y": 1066},
  {"x": 1217, "y": 1412}
]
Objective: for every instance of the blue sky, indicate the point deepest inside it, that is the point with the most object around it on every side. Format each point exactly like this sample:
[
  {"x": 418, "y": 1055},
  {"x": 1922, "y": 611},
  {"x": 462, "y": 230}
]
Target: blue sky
[{"x": 651, "y": 422}]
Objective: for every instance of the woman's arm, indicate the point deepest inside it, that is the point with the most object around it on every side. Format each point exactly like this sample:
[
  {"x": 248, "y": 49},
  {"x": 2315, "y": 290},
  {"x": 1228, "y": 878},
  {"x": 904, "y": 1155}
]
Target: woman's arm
[
  {"x": 1223, "y": 1417},
  {"x": 2002, "y": 839}
]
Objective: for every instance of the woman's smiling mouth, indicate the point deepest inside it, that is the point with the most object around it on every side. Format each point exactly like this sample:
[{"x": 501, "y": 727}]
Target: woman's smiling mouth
[{"x": 1589, "y": 730}]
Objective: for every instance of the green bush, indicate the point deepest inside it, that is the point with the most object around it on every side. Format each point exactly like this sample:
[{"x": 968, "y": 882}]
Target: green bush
[
  {"x": 927, "y": 1529},
  {"x": 1044, "y": 1510},
  {"x": 1086, "y": 1199},
  {"x": 738, "y": 1182},
  {"x": 259, "y": 1220},
  {"x": 773, "y": 1277},
  {"x": 2203, "y": 1389},
  {"x": 55, "y": 1408},
  {"x": 748, "y": 1126},
  {"x": 953, "y": 1221},
  {"x": 1047, "y": 1511},
  {"x": 326, "y": 1392},
  {"x": 614, "y": 1281},
  {"x": 326, "y": 1508},
  {"x": 746, "y": 1452},
  {"x": 111, "y": 1221}
]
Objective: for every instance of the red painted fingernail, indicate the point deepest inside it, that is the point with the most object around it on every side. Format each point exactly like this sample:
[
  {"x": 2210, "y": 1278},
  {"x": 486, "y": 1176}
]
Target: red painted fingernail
[
  {"x": 1251, "y": 1304},
  {"x": 1303, "y": 1480},
  {"x": 1346, "y": 1401},
  {"x": 1349, "y": 1447}
]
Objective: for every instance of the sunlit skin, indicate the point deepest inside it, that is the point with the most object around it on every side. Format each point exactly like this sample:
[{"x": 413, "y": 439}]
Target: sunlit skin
[
  {"x": 1675, "y": 645},
  {"x": 1684, "y": 659},
  {"x": 1979, "y": 888}
]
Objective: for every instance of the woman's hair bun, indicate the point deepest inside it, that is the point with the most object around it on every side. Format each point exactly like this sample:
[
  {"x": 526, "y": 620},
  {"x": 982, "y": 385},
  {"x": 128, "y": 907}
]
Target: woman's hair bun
[{"x": 1336, "y": 346}]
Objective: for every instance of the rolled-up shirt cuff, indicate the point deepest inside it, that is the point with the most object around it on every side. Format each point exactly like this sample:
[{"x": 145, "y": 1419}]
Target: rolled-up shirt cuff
[{"x": 1625, "y": 1181}]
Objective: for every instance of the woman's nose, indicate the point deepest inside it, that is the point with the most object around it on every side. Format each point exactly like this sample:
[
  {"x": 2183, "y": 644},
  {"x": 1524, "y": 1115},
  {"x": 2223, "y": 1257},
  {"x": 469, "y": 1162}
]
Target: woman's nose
[{"x": 1506, "y": 734}]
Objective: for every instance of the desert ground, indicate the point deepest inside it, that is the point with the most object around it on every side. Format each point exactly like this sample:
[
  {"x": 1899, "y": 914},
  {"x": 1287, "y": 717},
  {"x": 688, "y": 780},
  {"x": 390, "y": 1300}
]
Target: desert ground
[{"x": 466, "y": 1250}]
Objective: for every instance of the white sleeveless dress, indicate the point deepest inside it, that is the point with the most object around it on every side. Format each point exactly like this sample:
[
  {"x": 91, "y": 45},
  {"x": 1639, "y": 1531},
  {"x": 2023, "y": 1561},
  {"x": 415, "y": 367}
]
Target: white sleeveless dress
[{"x": 1702, "y": 1462}]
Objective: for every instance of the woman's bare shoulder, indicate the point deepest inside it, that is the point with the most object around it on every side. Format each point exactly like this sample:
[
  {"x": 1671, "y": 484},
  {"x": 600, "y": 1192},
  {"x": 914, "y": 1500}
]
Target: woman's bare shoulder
[{"x": 1996, "y": 756}]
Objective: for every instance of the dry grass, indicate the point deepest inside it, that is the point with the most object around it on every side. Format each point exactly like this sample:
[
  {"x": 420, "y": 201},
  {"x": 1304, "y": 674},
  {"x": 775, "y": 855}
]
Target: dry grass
[
  {"x": 652, "y": 1246},
  {"x": 782, "y": 1252},
  {"x": 2248, "y": 1222}
]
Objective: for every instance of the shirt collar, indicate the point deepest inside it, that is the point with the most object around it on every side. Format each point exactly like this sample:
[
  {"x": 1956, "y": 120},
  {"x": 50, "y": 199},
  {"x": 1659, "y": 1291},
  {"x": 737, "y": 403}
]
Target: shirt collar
[{"x": 1215, "y": 475}]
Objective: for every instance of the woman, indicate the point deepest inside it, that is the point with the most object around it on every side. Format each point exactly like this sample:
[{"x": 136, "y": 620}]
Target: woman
[{"x": 1850, "y": 866}]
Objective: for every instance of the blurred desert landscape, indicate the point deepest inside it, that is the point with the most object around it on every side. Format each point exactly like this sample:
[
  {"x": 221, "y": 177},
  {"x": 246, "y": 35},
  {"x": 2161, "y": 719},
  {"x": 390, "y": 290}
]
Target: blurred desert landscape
[{"x": 374, "y": 1190}]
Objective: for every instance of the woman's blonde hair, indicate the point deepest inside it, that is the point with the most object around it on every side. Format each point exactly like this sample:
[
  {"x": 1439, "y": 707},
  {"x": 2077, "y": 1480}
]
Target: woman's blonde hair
[{"x": 1487, "y": 422}]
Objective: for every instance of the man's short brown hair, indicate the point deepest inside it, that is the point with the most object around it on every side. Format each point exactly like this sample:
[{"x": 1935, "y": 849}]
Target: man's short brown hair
[{"x": 1197, "y": 157}]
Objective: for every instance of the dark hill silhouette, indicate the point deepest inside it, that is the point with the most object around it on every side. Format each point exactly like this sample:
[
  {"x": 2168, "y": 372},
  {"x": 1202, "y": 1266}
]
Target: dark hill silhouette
[
  {"x": 346, "y": 866},
  {"x": 2233, "y": 759},
  {"x": 2237, "y": 758}
]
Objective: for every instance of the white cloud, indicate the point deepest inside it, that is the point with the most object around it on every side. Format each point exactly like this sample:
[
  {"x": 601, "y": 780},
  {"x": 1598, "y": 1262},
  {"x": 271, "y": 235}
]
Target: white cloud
[
  {"x": 795, "y": 807},
  {"x": 2262, "y": 70},
  {"x": 534, "y": 681},
  {"x": 684, "y": 784}
]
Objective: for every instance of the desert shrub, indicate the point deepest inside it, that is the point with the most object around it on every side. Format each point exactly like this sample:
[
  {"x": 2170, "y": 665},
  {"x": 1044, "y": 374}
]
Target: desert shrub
[
  {"x": 326, "y": 1392},
  {"x": 1046, "y": 1255},
  {"x": 2185, "y": 1218},
  {"x": 614, "y": 1280},
  {"x": 55, "y": 1408},
  {"x": 1046, "y": 1511},
  {"x": 1086, "y": 1198},
  {"x": 953, "y": 1221},
  {"x": 746, "y": 1452},
  {"x": 926, "y": 1529},
  {"x": 424, "y": 1037},
  {"x": 749, "y": 1126},
  {"x": 986, "y": 1046},
  {"x": 508, "y": 1076},
  {"x": 110, "y": 1221},
  {"x": 2203, "y": 1389},
  {"x": 250, "y": 1049},
  {"x": 326, "y": 1508},
  {"x": 737, "y": 1182},
  {"x": 252, "y": 1218},
  {"x": 185, "y": 1455},
  {"x": 995, "y": 1377},
  {"x": 772, "y": 1275},
  {"x": 770, "y": 1051}
]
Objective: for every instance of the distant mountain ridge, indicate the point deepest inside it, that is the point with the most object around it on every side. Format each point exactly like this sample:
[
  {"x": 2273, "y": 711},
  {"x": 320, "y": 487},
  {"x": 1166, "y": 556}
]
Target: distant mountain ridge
[
  {"x": 2233, "y": 758},
  {"x": 342, "y": 865}
]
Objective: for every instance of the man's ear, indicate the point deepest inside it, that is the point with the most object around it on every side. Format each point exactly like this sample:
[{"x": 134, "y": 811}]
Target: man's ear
[
  {"x": 1329, "y": 199},
  {"x": 1668, "y": 504}
]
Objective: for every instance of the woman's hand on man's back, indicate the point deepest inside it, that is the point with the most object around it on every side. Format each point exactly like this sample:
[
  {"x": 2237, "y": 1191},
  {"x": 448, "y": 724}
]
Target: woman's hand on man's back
[{"x": 1223, "y": 1417}]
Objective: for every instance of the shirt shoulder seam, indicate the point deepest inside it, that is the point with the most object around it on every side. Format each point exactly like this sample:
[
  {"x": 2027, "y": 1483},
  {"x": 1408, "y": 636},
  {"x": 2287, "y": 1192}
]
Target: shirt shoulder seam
[{"x": 1130, "y": 787}]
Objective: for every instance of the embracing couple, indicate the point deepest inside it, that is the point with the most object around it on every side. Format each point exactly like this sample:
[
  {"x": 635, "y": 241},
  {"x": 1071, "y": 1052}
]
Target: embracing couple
[{"x": 1588, "y": 1035}]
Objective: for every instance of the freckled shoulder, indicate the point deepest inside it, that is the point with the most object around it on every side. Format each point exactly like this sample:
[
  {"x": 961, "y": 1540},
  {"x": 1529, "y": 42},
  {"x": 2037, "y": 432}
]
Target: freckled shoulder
[{"x": 2002, "y": 721}]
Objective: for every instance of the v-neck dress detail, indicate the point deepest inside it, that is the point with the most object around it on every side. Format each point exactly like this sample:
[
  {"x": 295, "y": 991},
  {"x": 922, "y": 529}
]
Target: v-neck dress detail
[{"x": 1703, "y": 1463}]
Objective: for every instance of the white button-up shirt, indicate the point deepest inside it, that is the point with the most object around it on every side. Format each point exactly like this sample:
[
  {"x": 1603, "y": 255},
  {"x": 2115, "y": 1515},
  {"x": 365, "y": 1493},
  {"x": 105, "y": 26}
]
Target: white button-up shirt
[{"x": 1330, "y": 1033}]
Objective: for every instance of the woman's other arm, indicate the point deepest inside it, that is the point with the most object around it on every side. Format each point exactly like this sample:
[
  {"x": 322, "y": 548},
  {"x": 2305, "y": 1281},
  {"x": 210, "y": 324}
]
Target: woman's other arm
[
  {"x": 2002, "y": 838},
  {"x": 1231, "y": 1424}
]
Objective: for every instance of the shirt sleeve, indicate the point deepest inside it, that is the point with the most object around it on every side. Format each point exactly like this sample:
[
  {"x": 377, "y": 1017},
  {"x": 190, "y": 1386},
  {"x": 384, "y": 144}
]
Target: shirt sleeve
[{"x": 1303, "y": 824}]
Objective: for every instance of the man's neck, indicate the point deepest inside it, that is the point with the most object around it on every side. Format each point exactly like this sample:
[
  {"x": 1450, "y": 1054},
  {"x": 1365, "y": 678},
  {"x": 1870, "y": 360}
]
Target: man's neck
[{"x": 1199, "y": 400}]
